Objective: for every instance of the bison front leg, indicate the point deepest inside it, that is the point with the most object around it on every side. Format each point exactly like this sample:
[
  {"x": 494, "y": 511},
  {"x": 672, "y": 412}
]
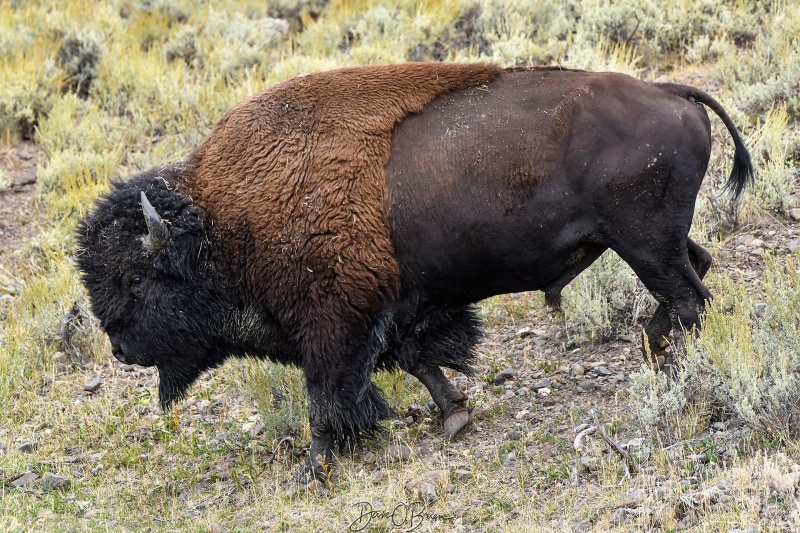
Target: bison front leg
[{"x": 345, "y": 406}]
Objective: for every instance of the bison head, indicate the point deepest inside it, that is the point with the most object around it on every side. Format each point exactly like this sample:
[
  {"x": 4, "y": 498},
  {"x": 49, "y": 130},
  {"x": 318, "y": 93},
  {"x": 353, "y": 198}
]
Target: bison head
[{"x": 153, "y": 281}]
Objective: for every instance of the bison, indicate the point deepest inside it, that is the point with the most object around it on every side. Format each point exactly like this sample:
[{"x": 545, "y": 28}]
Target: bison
[{"x": 347, "y": 221}]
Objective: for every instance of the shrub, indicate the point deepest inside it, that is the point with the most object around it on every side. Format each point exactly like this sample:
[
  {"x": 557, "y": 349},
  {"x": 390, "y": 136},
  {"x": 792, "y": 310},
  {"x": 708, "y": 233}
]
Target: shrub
[
  {"x": 744, "y": 362},
  {"x": 78, "y": 56},
  {"x": 605, "y": 300}
]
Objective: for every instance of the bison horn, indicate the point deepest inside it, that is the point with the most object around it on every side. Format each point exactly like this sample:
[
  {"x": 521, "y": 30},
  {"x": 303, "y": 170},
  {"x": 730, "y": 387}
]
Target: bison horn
[{"x": 157, "y": 231}]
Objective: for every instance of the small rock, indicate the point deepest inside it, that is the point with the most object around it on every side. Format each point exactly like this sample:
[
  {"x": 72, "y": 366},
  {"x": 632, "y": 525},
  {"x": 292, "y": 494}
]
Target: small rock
[
  {"x": 603, "y": 371},
  {"x": 718, "y": 426},
  {"x": 707, "y": 496},
  {"x": 581, "y": 526},
  {"x": 370, "y": 458},
  {"x": 508, "y": 395},
  {"x": 794, "y": 214},
  {"x": 24, "y": 480},
  {"x": 522, "y": 391},
  {"x": 93, "y": 384},
  {"x": 54, "y": 482},
  {"x": 544, "y": 391},
  {"x": 450, "y": 488},
  {"x": 700, "y": 458},
  {"x": 577, "y": 369},
  {"x": 587, "y": 385},
  {"x": 413, "y": 410},
  {"x": 218, "y": 528},
  {"x": 376, "y": 476},
  {"x": 748, "y": 529},
  {"x": 424, "y": 485},
  {"x": 398, "y": 452},
  {"x": 793, "y": 245},
  {"x": 523, "y": 415},
  {"x": 504, "y": 375},
  {"x": 427, "y": 494},
  {"x": 618, "y": 517},
  {"x": 27, "y": 447},
  {"x": 543, "y": 383},
  {"x": 759, "y": 309},
  {"x": 524, "y": 332},
  {"x": 461, "y": 473},
  {"x": 756, "y": 243},
  {"x": 431, "y": 405},
  {"x": 514, "y": 434},
  {"x": 131, "y": 368}
]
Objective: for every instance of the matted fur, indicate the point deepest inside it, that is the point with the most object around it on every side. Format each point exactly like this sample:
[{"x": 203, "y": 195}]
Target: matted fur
[
  {"x": 300, "y": 167},
  {"x": 293, "y": 179}
]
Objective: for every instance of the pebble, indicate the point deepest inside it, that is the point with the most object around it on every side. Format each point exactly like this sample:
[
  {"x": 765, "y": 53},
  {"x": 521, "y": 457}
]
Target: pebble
[
  {"x": 93, "y": 384},
  {"x": 218, "y": 528},
  {"x": 508, "y": 395},
  {"x": 577, "y": 369},
  {"x": 700, "y": 458},
  {"x": 514, "y": 434},
  {"x": 748, "y": 529},
  {"x": 27, "y": 447},
  {"x": 543, "y": 383},
  {"x": 24, "y": 480},
  {"x": 398, "y": 452},
  {"x": 793, "y": 245},
  {"x": 718, "y": 426},
  {"x": 522, "y": 391},
  {"x": 603, "y": 371},
  {"x": 376, "y": 476},
  {"x": 794, "y": 214},
  {"x": 544, "y": 391},
  {"x": 425, "y": 484},
  {"x": 503, "y": 376},
  {"x": 587, "y": 385},
  {"x": 461, "y": 473},
  {"x": 524, "y": 332},
  {"x": 582, "y": 526},
  {"x": 523, "y": 415},
  {"x": 707, "y": 496},
  {"x": 54, "y": 482}
]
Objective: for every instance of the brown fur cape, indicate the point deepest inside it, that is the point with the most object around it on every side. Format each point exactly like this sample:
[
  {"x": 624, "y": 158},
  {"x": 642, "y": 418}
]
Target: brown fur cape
[{"x": 299, "y": 167}]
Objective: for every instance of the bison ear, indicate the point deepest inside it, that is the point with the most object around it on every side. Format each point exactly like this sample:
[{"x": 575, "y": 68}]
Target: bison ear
[{"x": 157, "y": 230}]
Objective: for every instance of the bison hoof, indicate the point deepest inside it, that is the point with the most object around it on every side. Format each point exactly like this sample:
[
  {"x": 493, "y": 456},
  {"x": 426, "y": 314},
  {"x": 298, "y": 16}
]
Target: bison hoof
[{"x": 456, "y": 422}]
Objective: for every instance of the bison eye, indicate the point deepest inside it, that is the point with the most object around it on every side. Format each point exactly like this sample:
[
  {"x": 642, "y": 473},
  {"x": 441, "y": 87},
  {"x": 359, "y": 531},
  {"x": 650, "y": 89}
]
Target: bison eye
[{"x": 136, "y": 280}]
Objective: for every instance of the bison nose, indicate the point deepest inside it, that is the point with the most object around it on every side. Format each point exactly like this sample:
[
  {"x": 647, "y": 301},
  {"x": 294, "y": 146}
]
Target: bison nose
[{"x": 116, "y": 351}]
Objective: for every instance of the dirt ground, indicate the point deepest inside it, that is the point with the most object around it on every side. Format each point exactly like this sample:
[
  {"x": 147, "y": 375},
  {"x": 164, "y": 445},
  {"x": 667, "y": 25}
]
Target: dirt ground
[{"x": 20, "y": 216}]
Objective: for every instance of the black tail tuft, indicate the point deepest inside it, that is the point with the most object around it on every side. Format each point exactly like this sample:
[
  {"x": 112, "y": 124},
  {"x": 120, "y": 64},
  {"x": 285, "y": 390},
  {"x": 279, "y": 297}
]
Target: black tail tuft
[{"x": 742, "y": 173}]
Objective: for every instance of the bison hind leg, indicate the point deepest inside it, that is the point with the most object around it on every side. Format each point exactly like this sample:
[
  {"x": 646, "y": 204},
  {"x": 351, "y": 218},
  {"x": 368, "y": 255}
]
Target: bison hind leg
[{"x": 440, "y": 338}]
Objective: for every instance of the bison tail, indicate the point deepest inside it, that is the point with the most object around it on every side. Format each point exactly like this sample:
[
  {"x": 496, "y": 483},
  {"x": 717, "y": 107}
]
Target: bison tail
[{"x": 742, "y": 173}]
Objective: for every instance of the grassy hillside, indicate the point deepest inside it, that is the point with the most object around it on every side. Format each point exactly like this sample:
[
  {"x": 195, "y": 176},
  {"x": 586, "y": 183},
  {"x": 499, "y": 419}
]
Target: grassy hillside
[{"x": 108, "y": 89}]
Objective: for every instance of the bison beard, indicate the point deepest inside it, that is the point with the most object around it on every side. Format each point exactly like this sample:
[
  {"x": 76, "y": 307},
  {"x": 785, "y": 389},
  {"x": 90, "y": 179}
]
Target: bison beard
[{"x": 346, "y": 221}]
